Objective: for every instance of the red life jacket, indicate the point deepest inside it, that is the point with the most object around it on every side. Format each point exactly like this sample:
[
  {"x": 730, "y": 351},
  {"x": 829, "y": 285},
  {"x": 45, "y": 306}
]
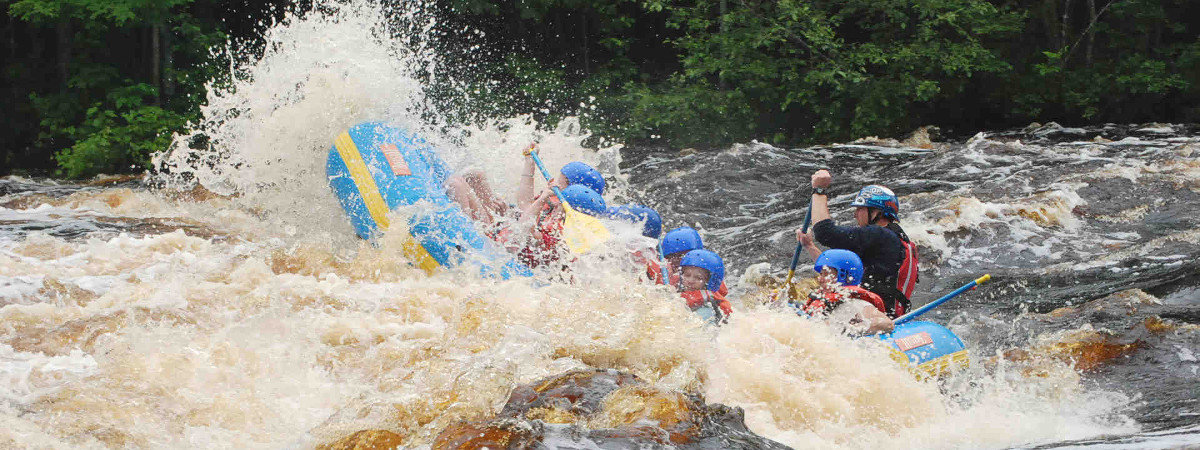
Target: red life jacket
[
  {"x": 909, "y": 273},
  {"x": 698, "y": 299},
  {"x": 654, "y": 273},
  {"x": 820, "y": 304},
  {"x": 543, "y": 250}
]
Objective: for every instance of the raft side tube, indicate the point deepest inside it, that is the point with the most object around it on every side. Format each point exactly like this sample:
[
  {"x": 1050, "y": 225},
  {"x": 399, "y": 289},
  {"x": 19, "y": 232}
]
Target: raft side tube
[
  {"x": 928, "y": 346},
  {"x": 374, "y": 169}
]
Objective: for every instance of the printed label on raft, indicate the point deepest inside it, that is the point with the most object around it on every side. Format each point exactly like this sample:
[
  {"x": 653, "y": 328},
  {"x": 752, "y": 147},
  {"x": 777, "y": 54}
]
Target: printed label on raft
[
  {"x": 395, "y": 159},
  {"x": 910, "y": 342}
]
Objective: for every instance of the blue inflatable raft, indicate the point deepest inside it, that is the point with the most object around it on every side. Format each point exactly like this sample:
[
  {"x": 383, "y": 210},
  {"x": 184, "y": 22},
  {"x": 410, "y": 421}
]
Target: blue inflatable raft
[
  {"x": 931, "y": 348},
  {"x": 375, "y": 168}
]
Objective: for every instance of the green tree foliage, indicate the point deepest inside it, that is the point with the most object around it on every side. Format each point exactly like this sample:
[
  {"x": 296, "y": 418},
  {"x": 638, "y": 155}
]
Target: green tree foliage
[
  {"x": 843, "y": 68},
  {"x": 710, "y": 72},
  {"x": 97, "y": 85}
]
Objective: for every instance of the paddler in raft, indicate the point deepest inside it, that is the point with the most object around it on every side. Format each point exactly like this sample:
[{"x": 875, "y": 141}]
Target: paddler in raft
[
  {"x": 675, "y": 244},
  {"x": 888, "y": 256},
  {"x": 472, "y": 192},
  {"x": 532, "y": 228},
  {"x": 839, "y": 298},
  {"x": 702, "y": 276}
]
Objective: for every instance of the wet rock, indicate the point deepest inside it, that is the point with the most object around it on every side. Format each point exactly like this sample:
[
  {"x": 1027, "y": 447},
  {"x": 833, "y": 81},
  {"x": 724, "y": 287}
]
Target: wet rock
[
  {"x": 1053, "y": 132},
  {"x": 923, "y": 137},
  {"x": 366, "y": 440},
  {"x": 115, "y": 180},
  {"x": 578, "y": 392},
  {"x": 877, "y": 141},
  {"x": 496, "y": 434},
  {"x": 1125, "y": 303},
  {"x": 1156, "y": 129},
  {"x": 604, "y": 409}
]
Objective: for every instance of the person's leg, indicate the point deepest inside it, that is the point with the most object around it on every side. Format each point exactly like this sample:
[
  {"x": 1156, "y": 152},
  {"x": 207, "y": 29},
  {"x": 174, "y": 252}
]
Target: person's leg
[
  {"x": 461, "y": 192},
  {"x": 477, "y": 180}
]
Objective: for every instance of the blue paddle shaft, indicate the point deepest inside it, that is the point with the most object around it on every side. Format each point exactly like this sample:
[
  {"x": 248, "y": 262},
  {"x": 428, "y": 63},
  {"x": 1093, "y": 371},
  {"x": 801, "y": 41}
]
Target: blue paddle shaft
[
  {"x": 807, "y": 218},
  {"x": 935, "y": 303},
  {"x": 796, "y": 257},
  {"x": 546, "y": 174},
  {"x": 662, "y": 261},
  {"x": 800, "y": 246}
]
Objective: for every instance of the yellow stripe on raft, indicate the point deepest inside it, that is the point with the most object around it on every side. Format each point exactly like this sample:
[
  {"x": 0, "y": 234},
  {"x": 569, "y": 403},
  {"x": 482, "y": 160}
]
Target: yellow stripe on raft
[
  {"x": 374, "y": 201},
  {"x": 944, "y": 365},
  {"x": 931, "y": 369}
]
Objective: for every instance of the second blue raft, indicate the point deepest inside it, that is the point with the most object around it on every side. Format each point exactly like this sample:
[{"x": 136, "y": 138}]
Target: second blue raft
[{"x": 930, "y": 348}]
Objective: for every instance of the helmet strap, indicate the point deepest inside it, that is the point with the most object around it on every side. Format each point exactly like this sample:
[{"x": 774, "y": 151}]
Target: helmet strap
[{"x": 873, "y": 215}]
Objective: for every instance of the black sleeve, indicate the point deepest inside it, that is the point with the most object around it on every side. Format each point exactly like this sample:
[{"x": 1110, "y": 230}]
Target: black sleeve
[{"x": 855, "y": 239}]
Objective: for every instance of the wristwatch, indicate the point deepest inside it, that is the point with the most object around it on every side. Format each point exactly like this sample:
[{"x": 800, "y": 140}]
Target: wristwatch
[{"x": 820, "y": 191}]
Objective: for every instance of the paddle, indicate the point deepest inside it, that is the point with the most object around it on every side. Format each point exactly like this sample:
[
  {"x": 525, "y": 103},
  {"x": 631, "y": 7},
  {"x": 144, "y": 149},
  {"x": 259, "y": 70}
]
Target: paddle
[
  {"x": 787, "y": 282},
  {"x": 581, "y": 231},
  {"x": 935, "y": 303},
  {"x": 662, "y": 264}
]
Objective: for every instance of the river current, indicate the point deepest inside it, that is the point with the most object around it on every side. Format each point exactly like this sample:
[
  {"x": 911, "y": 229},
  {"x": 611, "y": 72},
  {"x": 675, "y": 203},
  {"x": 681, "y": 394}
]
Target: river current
[{"x": 222, "y": 301}]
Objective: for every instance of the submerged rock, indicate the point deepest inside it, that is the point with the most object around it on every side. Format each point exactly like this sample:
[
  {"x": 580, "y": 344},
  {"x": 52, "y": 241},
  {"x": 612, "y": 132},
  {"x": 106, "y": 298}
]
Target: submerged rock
[{"x": 1129, "y": 321}]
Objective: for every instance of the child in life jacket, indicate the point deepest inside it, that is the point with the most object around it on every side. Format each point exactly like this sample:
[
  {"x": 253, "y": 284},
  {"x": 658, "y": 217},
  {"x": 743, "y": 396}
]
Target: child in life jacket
[
  {"x": 674, "y": 245},
  {"x": 702, "y": 274},
  {"x": 840, "y": 297},
  {"x": 543, "y": 222}
]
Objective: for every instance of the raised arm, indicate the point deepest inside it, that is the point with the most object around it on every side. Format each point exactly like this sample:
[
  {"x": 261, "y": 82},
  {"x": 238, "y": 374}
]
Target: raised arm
[
  {"x": 821, "y": 179},
  {"x": 525, "y": 192}
]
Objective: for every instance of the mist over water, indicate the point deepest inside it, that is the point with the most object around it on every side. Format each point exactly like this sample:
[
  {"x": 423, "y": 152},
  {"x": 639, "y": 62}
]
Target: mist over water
[{"x": 247, "y": 314}]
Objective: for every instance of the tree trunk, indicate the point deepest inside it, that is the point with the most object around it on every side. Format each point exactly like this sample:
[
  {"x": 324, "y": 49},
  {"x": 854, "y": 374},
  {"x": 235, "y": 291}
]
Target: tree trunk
[
  {"x": 156, "y": 61},
  {"x": 583, "y": 31},
  {"x": 63, "y": 50},
  {"x": 559, "y": 19},
  {"x": 1066, "y": 24},
  {"x": 168, "y": 45},
  {"x": 724, "y": 10},
  {"x": 721, "y": 83},
  {"x": 1091, "y": 37}
]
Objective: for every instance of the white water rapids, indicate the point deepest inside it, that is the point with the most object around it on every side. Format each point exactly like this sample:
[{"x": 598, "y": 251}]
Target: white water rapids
[{"x": 263, "y": 323}]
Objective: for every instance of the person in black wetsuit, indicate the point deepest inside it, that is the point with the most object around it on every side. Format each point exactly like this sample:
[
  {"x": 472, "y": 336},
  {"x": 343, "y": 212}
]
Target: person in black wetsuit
[{"x": 889, "y": 257}]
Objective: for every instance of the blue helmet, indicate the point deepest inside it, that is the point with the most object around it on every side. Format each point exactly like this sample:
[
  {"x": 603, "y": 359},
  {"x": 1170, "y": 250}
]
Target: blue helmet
[
  {"x": 707, "y": 260},
  {"x": 879, "y": 197},
  {"x": 652, "y": 226},
  {"x": 581, "y": 173},
  {"x": 848, "y": 265},
  {"x": 584, "y": 199},
  {"x": 681, "y": 239}
]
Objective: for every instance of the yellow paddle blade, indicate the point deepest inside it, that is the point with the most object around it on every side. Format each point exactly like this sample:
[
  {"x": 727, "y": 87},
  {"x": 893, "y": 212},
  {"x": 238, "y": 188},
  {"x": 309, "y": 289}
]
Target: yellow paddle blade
[{"x": 581, "y": 231}]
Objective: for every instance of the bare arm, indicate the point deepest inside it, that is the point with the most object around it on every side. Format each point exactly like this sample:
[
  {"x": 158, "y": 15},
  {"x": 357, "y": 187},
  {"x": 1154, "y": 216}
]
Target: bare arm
[
  {"x": 525, "y": 193},
  {"x": 820, "y": 203},
  {"x": 877, "y": 322},
  {"x": 810, "y": 245},
  {"x": 529, "y": 214}
]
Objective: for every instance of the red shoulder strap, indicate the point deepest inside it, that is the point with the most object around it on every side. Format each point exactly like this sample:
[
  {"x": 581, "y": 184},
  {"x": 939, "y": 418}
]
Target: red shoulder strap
[
  {"x": 906, "y": 280},
  {"x": 869, "y": 297}
]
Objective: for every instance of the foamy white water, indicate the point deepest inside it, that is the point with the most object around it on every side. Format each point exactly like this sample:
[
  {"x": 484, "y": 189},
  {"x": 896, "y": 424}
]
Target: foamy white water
[{"x": 266, "y": 324}]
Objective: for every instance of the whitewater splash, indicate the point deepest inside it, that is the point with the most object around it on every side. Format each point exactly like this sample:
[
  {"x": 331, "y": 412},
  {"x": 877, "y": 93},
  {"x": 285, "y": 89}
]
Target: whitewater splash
[{"x": 254, "y": 318}]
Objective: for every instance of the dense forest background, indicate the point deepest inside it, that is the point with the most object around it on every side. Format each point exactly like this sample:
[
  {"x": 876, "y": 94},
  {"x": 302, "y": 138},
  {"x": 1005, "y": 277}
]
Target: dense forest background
[{"x": 93, "y": 86}]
